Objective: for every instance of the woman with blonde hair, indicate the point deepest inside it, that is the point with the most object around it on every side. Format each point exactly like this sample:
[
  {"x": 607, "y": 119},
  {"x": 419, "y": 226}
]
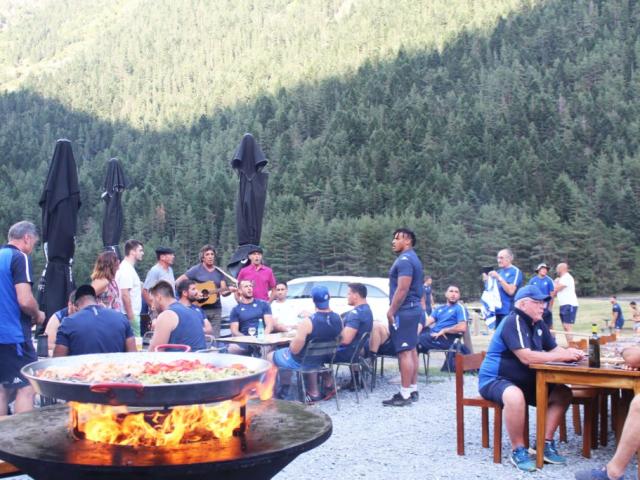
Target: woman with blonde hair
[{"x": 103, "y": 280}]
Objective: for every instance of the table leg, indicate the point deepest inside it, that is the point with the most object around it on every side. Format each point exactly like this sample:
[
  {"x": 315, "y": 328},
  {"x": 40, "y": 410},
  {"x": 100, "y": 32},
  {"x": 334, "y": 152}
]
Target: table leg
[
  {"x": 636, "y": 391},
  {"x": 541, "y": 415}
]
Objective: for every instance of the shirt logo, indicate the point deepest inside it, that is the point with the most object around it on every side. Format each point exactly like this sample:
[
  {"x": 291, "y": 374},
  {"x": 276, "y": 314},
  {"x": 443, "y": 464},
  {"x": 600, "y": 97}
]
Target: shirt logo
[
  {"x": 404, "y": 344},
  {"x": 539, "y": 332}
]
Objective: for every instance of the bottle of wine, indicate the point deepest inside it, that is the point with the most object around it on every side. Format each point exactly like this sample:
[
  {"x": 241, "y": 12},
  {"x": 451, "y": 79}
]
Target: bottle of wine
[{"x": 594, "y": 348}]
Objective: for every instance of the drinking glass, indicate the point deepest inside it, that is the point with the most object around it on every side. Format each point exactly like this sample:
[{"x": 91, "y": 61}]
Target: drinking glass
[{"x": 252, "y": 331}]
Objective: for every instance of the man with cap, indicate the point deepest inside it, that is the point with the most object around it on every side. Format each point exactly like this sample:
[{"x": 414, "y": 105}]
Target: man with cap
[
  {"x": 161, "y": 271},
  {"x": 547, "y": 287},
  {"x": 262, "y": 276},
  {"x": 522, "y": 338},
  {"x": 93, "y": 328},
  {"x": 323, "y": 325}
]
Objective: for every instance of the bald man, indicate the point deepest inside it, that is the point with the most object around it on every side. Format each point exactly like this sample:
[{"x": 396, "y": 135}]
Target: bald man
[
  {"x": 509, "y": 278},
  {"x": 565, "y": 291}
]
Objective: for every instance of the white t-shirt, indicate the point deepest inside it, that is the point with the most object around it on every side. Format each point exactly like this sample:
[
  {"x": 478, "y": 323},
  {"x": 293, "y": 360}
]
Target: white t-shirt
[
  {"x": 284, "y": 313},
  {"x": 567, "y": 296},
  {"x": 127, "y": 278}
]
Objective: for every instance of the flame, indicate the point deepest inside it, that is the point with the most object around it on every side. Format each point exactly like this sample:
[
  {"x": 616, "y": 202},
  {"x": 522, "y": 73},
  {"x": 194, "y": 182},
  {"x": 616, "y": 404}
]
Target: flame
[{"x": 180, "y": 425}]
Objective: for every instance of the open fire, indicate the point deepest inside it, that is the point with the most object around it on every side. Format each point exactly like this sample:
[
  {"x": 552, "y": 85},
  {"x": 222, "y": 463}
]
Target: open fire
[{"x": 118, "y": 425}]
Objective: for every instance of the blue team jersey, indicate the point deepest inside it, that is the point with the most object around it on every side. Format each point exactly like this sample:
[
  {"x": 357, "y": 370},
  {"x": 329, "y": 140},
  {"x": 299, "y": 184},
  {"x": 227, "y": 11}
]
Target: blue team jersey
[
  {"x": 448, "y": 316},
  {"x": 516, "y": 331},
  {"x": 407, "y": 265},
  {"x": 15, "y": 268},
  {"x": 511, "y": 275},
  {"x": 544, "y": 284},
  {"x": 616, "y": 308},
  {"x": 360, "y": 319},
  {"x": 248, "y": 315}
]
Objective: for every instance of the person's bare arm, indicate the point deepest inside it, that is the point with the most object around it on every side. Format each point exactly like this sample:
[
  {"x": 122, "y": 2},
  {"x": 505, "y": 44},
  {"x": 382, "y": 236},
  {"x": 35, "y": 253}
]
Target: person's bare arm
[
  {"x": 224, "y": 289},
  {"x": 456, "y": 329},
  {"x": 347, "y": 335},
  {"x": 304, "y": 328},
  {"x": 147, "y": 296},
  {"x": 631, "y": 356},
  {"x": 235, "y": 329},
  {"x": 558, "y": 354},
  {"x": 181, "y": 278},
  {"x": 268, "y": 324},
  {"x": 100, "y": 285},
  {"x": 125, "y": 295},
  {"x": 130, "y": 345},
  {"x": 52, "y": 330},
  {"x": 28, "y": 304},
  {"x": 60, "y": 351},
  {"x": 208, "y": 329},
  {"x": 165, "y": 324},
  {"x": 404, "y": 283}
]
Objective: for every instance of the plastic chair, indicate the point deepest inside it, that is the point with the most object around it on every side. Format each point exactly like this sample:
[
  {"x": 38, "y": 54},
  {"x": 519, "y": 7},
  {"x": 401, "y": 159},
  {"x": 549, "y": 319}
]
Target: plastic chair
[
  {"x": 454, "y": 348},
  {"x": 314, "y": 361},
  {"x": 357, "y": 364}
]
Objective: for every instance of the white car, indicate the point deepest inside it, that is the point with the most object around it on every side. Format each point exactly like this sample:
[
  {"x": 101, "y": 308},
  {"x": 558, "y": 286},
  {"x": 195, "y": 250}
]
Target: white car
[{"x": 299, "y": 294}]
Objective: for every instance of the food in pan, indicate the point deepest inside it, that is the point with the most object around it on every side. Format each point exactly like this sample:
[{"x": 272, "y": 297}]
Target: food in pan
[{"x": 146, "y": 373}]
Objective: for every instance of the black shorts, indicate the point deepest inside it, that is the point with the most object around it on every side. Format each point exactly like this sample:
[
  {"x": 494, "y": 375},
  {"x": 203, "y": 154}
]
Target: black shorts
[
  {"x": 493, "y": 391},
  {"x": 12, "y": 358},
  {"x": 404, "y": 332},
  {"x": 387, "y": 349},
  {"x": 568, "y": 314}
]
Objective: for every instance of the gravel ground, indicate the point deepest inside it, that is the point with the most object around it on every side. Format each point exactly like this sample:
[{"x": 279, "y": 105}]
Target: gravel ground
[{"x": 419, "y": 442}]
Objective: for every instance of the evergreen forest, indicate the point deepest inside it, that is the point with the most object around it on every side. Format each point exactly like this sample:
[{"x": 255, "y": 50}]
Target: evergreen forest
[{"x": 480, "y": 125}]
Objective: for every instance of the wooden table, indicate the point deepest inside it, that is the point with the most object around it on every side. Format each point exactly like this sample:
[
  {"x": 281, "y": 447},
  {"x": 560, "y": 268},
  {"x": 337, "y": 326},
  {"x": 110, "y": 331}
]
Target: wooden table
[
  {"x": 271, "y": 340},
  {"x": 605, "y": 377}
]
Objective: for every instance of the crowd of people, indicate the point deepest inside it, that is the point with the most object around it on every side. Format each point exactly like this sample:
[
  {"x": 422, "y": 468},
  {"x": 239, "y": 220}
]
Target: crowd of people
[{"x": 104, "y": 317}]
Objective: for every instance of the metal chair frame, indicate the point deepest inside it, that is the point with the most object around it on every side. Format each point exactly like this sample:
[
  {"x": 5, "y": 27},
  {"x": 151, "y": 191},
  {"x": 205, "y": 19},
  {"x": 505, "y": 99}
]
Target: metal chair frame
[
  {"x": 357, "y": 365},
  {"x": 455, "y": 347}
]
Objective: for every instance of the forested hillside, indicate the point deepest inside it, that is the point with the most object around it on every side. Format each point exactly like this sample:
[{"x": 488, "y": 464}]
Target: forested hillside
[{"x": 479, "y": 124}]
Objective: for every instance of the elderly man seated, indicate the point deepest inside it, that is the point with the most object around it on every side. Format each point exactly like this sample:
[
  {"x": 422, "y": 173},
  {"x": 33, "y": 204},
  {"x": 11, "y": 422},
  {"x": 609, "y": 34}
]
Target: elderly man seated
[
  {"x": 93, "y": 328},
  {"x": 523, "y": 338},
  {"x": 445, "y": 323}
]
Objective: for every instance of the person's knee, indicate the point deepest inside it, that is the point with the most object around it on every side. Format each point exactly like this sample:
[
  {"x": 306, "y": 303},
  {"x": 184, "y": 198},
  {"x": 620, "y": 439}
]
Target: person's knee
[
  {"x": 561, "y": 394},
  {"x": 513, "y": 397}
]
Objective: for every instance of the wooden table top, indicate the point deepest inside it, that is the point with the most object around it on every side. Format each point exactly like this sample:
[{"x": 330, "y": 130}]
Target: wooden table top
[
  {"x": 271, "y": 339},
  {"x": 584, "y": 368}
]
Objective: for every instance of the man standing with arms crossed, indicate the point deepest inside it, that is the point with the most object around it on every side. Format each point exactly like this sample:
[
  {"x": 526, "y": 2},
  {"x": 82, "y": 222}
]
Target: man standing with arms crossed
[
  {"x": 129, "y": 283},
  {"x": 405, "y": 313},
  {"x": 567, "y": 299},
  {"x": 509, "y": 278},
  {"x": 18, "y": 311}
]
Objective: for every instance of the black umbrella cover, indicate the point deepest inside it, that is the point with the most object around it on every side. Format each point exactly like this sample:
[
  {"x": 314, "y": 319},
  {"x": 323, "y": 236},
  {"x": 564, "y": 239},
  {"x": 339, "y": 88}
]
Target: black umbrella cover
[
  {"x": 248, "y": 161},
  {"x": 114, "y": 185},
  {"x": 59, "y": 202}
]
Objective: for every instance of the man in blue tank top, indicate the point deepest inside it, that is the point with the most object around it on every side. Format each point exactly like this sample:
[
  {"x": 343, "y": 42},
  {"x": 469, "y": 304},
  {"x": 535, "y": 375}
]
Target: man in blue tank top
[
  {"x": 323, "y": 325},
  {"x": 176, "y": 324},
  {"x": 406, "y": 311},
  {"x": 188, "y": 293}
]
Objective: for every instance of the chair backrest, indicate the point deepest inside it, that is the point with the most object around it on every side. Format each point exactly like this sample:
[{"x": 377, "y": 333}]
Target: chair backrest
[
  {"x": 364, "y": 340},
  {"x": 465, "y": 363},
  {"x": 318, "y": 351}
]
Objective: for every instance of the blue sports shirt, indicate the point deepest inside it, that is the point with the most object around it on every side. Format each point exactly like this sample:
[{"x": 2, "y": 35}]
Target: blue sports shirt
[
  {"x": 249, "y": 315},
  {"x": 407, "y": 265},
  {"x": 15, "y": 268},
  {"x": 616, "y": 308},
  {"x": 511, "y": 275},
  {"x": 448, "y": 316},
  {"x": 360, "y": 319}
]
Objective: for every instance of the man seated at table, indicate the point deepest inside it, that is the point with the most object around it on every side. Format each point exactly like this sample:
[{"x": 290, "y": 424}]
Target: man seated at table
[
  {"x": 187, "y": 295},
  {"x": 445, "y": 323},
  {"x": 629, "y": 442},
  {"x": 93, "y": 328},
  {"x": 285, "y": 316},
  {"x": 176, "y": 323},
  {"x": 324, "y": 325},
  {"x": 522, "y": 338},
  {"x": 246, "y": 316}
]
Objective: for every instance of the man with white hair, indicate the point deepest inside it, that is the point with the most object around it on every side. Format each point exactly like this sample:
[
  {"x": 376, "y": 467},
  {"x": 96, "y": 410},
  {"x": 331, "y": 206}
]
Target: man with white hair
[
  {"x": 18, "y": 312},
  {"x": 567, "y": 299},
  {"x": 522, "y": 338},
  {"x": 509, "y": 278}
]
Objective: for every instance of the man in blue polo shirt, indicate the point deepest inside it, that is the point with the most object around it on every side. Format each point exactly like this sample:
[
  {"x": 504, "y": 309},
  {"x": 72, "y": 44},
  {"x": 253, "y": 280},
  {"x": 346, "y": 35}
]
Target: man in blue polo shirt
[
  {"x": 444, "y": 324},
  {"x": 406, "y": 310},
  {"x": 617, "y": 318},
  {"x": 523, "y": 338},
  {"x": 547, "y": 287},
  {"x": 246, "y": 316},
  {"x": 509, "y": 279},
  {"x": 18, "y": 311},
  {"x": 93, "y": 328}
]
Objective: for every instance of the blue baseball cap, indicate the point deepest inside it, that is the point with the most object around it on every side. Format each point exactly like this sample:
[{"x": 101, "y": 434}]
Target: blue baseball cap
[
  {"x": 531, "y": 291},
  {"x": 320, "y": 296}
]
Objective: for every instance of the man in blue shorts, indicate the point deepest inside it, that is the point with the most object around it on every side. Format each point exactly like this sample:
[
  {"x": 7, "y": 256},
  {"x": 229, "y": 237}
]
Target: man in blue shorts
[
  {"x": 565, "y": 292},
  {"x": 509, "y": 279},
  {"x": 546, "y": 286},
  {"x": 93, "y": 328},
  {"x": 445, "y": 324},
  {"x": 617, "y": 318},
  {"x": 323, "y": 325},
  {"x": 523, "y": 338},
  {"x": 246, "y": 316},
  {"x": 406, "y": 310},
  {"x": 18, "y": 312}
]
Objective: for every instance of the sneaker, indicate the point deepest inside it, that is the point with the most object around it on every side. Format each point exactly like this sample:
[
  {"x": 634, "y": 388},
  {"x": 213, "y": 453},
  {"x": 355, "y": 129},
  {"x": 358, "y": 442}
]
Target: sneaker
[
  {"x": 397, "y": 401},
  {"x": 594, "y": 474},
  {"x": 551, "y": 454},
  {"x": 522, "y": 461},
  {"x": 415, "y": 396}
]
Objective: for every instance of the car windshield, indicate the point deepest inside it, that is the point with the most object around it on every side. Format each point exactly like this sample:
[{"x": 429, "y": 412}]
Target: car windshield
[{"x": 297, "y": 291}]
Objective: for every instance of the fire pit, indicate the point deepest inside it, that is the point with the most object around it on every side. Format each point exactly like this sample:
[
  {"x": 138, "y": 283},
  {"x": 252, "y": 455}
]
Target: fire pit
[
  {"x": 158, "y": 425},
  {"x": 39, "y": 443}
]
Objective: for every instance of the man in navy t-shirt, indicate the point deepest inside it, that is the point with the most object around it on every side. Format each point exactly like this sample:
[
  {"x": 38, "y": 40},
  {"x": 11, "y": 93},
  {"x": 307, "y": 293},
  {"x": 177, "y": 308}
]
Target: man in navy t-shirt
[
  {"x": 547, "y": 287},
  {"x": 406, "y": 310},
  {"x": 93, "y": 328},
  {"x": 445, "y": 324},
  {"x": 509, "y": 279},
  {"x": 357, "y": 322},
  {"x": 245, "y": 318},
  {"x": 617, "y": 318},
  {"x": 523, "y": 338},
  {"x": 18, "y": 311}
]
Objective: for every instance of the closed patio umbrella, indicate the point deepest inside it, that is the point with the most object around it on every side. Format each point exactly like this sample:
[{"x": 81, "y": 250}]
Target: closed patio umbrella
[{"x": 114, "y": 185}]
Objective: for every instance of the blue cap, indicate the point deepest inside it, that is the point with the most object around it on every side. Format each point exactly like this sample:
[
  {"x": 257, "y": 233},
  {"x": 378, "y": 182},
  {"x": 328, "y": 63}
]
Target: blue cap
[
  {"x": 531, "y": 291},
  {"x": 320, "y": 295}
]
